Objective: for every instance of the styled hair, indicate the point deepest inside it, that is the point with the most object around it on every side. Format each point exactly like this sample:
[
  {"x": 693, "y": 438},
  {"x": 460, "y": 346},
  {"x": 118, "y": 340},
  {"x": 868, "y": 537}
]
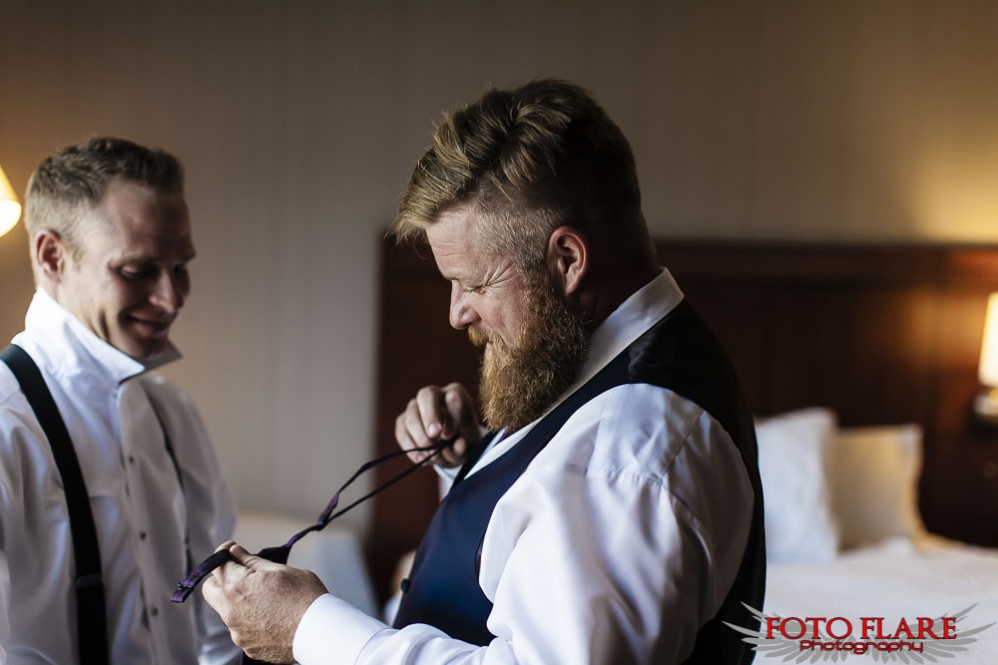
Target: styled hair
[
  {"x": 69, "y": 184},
  {"x": 526, "y": 161}
]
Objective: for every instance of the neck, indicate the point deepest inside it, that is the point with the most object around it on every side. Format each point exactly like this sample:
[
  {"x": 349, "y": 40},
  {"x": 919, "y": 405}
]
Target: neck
[{"x": 613, "y": 287}]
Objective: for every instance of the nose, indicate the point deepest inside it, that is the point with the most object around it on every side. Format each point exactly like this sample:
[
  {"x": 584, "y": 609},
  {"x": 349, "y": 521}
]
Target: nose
[
  {"x": 462, "y": 314},
  {"x": 170, "y": 291}
]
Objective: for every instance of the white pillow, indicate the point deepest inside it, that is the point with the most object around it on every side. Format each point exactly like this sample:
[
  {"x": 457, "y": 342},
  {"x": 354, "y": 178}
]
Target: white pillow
[
  {"x": 793, "y": 455},
  {"x": 874, "y": 477}
]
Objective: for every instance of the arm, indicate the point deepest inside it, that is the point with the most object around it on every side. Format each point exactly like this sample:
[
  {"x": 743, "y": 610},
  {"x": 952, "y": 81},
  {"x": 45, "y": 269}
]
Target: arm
[
  {"x": 217, "y": 647},
  {"x": 5, "y": 510},
  {"x": 619, "y": 541},
  {"x": 4, "y": 587},
  {"x": 210, "y": 513},
  {"x": 618, "y": 565},
  {"x": 213, "y": 520}
]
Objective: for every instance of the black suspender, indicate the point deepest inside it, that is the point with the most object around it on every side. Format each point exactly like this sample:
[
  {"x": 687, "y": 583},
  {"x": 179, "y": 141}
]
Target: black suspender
[
  {"x": 188, "y": 560},
  {"x": 91, "y": 616}
]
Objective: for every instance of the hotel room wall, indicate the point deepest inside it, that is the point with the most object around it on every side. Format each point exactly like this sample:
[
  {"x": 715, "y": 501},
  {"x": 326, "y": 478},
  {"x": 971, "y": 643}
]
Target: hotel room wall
[{"x": 299, "y": 123}]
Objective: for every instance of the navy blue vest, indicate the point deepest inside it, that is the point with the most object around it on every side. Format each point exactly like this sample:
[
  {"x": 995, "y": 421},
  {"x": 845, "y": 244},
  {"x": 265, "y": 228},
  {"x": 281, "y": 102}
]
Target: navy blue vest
[{"x": 678, "y": 353}]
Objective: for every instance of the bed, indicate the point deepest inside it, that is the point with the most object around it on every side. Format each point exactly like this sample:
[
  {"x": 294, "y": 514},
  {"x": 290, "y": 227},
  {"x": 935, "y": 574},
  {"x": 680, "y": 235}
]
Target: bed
[
  {"x": 860, "y": 363},
  {"x": 894, "y": 579},
  {"x": 846, "y": 539}
]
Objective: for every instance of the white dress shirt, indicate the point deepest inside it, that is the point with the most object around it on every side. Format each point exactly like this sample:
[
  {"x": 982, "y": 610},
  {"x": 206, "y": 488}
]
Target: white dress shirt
[
  {"x": 617, "y": 543},
  {"x": 139, "y": 509}
]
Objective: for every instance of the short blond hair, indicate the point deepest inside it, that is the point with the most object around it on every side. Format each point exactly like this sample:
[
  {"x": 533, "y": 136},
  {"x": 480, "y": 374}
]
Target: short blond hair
[
  {"x": 70, "y": 183},
  {"x": 528, "y": 160}
]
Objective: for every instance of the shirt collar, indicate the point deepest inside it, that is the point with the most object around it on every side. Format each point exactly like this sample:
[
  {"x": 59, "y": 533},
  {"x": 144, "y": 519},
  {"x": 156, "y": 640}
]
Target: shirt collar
[
  {"x": 68, "y": 347},
  {"x": 632, "y": 318}
]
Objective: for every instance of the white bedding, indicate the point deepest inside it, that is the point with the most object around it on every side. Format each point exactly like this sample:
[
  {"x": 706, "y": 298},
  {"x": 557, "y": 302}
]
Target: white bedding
[{"x": 930, "y": 577}]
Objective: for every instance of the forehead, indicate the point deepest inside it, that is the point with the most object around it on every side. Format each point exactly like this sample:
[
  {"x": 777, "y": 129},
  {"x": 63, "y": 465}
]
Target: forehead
[
  {"x": 453, "y": 241},
  {"x": 135, "y": 218}
]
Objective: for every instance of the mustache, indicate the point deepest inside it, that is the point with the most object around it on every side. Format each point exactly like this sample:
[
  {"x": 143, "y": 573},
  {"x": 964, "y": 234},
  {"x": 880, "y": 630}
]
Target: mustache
[{"x": 480, "y": 338}]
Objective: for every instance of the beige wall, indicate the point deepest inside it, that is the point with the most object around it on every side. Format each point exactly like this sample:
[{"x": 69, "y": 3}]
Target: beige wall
[{"x": 299, "y": 122}]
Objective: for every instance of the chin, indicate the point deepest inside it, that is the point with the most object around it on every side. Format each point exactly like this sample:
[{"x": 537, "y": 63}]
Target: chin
[{"x": 142, "y": 350}]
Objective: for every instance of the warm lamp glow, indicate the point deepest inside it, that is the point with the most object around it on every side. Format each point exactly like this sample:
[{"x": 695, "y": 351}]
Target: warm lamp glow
[
  {"x": 10, "y": 209},
  {"x": 988, "y": 370},
  {"x": 987, "y": 403}
]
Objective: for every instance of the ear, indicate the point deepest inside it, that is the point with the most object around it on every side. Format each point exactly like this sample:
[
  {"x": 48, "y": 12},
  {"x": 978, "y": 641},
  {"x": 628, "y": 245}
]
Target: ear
[
  {"x": 568, "y": 259},
  {"x": 50, "y": 254}
]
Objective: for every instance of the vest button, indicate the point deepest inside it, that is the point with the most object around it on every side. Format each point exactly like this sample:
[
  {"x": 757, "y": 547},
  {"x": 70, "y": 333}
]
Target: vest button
[{"x": 405, "y": 585}]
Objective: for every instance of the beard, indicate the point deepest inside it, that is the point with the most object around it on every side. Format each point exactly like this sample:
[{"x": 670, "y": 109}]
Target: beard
[{"x": 519, "y": 382}]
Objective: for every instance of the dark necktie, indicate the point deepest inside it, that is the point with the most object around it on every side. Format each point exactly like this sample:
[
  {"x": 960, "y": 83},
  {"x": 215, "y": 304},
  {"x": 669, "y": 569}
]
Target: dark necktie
[{"x": 280, "y": 554}]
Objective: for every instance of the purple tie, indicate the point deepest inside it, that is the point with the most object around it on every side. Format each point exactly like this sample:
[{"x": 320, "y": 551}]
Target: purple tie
[{"x": 280, "y": 554}]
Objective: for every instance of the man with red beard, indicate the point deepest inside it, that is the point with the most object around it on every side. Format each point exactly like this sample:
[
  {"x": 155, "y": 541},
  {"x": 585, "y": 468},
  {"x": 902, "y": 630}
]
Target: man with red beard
[{"x": 610, "y": 510}]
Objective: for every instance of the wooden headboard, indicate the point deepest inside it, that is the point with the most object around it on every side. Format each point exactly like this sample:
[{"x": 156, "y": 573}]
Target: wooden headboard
[{"x": 880, "y": 334}]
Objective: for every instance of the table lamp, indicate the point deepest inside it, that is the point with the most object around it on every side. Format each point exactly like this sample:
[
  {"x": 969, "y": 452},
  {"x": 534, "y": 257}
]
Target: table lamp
[
  {"x": 986, "y": 404},
  {"x": 10, "y": 208}
]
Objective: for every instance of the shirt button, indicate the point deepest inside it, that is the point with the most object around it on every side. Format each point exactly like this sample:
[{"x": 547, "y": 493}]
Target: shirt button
[
  {"x": 142, "y": 535},
  {"x": 131, "y": 460},
  {"x": 154, "y": 611}
]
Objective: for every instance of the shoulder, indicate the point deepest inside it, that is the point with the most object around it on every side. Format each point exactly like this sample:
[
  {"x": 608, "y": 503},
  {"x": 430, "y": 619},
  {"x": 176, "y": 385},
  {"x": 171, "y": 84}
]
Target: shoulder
[
  {"x": 15, "y": 412},
  {"x": 647, "y": 444},
  {"x": 8, "y": 384},
  {"x": 22, "y": 460},
  {"x": 635, "y": 429}
]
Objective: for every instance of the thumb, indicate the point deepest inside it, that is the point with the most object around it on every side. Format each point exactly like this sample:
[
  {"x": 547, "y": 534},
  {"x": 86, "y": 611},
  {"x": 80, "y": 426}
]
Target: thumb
[{"x": 243, "y": 557}]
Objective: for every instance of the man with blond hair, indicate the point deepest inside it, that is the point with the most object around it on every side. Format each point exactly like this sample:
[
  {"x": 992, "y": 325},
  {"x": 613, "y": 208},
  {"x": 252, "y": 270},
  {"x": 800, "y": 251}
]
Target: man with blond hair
[
  {"x": 109, "y": 485},
  {"x": 610, "y": 509}
]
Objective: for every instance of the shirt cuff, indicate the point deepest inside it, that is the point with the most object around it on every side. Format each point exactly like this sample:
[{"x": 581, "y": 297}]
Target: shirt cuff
[{"x": 333, "y": 632}]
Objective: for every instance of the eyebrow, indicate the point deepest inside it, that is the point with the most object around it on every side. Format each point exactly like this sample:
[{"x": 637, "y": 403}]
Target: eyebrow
[
  {"x": 454, "y": 277},
  {"x": 148, "y": 258}
]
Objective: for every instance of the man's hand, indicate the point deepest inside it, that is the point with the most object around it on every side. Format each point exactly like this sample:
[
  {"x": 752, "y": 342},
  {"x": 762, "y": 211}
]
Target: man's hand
[
  {"x": 437, "y": 414},
  {"x": 261, "y": 602}
]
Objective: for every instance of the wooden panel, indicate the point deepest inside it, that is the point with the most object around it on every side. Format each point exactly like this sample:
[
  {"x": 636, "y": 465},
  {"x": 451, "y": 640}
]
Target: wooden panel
[
  {"x": 864, "y": 351},
  {"x": 417, "y": 347},
  {"x": 882, "y": 335},
  {"x": 737, "y": 315}
]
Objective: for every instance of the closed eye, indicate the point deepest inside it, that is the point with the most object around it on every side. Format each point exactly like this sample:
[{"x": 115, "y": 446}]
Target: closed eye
[{"x": 138, "y": 272}]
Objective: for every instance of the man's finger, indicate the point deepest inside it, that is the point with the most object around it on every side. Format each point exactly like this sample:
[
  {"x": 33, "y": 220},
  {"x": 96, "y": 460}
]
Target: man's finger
[
  {"x": 461, "y": 408},
  {"x": 211, "y": 590},
  {"x": 432, "y": 412},
  {"x": 246, "y": 562},
  {"x": 220, "y": 573},
  {"x": 415, "y": 428},
  {"x": 457, "y": 450},
  {"x": 244, "y": 557},
  {"x": 415, "y": 436},
  {"x": 226, "y": 545}
]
